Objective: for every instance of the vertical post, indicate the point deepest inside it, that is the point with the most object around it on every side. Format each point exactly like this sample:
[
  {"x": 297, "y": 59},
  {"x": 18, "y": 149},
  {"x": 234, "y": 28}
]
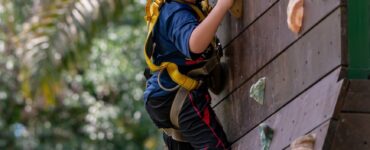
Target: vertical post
[{"x": 359, "y": 39}]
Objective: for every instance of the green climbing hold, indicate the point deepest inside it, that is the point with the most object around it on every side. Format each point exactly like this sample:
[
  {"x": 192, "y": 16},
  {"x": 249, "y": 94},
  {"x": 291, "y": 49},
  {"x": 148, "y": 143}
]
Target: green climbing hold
[
  {"x": 266, "y": 135},
  {"x": 257, "y": 90}
]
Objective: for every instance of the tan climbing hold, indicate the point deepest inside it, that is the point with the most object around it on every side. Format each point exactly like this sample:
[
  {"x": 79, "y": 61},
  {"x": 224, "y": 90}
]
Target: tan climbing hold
[
  {"x": 295, "y": 14},
  {"x": 306, "y": 142},
  {"x": 236, "y": 9}
]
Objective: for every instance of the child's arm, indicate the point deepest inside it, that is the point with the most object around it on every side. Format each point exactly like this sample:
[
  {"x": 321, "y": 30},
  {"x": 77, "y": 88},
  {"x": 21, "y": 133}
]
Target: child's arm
[{"x": 204, "y": 33}]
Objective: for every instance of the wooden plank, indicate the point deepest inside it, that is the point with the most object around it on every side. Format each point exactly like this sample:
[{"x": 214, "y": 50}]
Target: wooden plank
[
  {"x": 353, "y": 132},
  {"x": 358, "y": 97},
  {"x": 252, "y": 9},
  {"x": 302, "y": 115},
  {"x": 267, "y": 37},
  {"x": 238, "y": 120},
  {"x": 298, "y": 68}
]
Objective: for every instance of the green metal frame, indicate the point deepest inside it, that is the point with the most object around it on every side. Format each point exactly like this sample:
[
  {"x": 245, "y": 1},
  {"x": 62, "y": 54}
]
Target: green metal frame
[{"x": 359, "y": 39}]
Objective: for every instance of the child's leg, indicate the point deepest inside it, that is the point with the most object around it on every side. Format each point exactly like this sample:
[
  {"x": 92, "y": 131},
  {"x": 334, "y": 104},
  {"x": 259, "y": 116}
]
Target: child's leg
[
  {"x": 199, "y": 125},
  {"x": 158, "y": 109}
]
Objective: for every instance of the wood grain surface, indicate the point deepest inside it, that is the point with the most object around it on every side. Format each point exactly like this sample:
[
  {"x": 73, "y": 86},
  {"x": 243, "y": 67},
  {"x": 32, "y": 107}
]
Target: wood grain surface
[
  {"x": 310, "y": 110},
  {"x": 301, "y": 66}
]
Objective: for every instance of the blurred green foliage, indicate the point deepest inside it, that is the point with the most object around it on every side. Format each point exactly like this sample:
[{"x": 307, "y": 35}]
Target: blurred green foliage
[{"x": 71, "y": 75}]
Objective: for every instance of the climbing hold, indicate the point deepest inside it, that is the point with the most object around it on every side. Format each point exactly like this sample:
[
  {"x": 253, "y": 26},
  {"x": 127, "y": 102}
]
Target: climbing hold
[
  {"x": 266, "y": 135},
  {"x": 306, "y": 142},
  {"x": 257, "y": 91},
  {"x": 295, "y": 14},
  {"x": 236, "y": 9}
]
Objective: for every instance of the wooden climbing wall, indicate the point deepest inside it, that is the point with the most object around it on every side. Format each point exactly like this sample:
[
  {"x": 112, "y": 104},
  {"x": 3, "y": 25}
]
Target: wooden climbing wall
[{"x": 306, "y": 86}]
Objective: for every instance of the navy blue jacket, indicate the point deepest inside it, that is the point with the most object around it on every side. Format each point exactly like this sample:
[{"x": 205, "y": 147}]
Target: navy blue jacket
[{"x": 171, "y": 34}]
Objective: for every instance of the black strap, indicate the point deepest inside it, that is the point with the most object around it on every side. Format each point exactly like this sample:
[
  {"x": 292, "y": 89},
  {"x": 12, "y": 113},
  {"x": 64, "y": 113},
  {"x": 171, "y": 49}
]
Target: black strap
[{"x": 147, "y": 73}]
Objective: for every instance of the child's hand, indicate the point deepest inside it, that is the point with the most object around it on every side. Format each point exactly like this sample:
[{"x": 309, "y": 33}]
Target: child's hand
[
  {"x": 204, "y": 33},
  {"x": 226, "y": 4}
]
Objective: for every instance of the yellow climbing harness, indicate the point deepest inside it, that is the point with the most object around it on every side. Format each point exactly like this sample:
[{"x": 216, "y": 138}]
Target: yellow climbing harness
[{"x": 152, "y": 13}]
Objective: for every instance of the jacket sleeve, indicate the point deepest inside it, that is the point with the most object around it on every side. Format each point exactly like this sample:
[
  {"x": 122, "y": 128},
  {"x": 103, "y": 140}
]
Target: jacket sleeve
[{"x": 180, "y": 25}]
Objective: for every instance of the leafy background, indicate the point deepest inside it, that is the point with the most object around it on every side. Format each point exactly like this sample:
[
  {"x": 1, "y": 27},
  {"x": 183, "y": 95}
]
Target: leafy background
[{"x": 71, "y": 75}]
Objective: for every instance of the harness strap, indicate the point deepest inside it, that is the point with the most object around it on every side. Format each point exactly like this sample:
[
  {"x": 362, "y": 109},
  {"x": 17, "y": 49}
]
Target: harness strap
[
  {"x": 182, "y": 93},
  {"x": 208, "y": 67},
  {"x": 175, "y": 134},
  {"x": 180, "y": 98},
  {"x": 177, "y": 104}
]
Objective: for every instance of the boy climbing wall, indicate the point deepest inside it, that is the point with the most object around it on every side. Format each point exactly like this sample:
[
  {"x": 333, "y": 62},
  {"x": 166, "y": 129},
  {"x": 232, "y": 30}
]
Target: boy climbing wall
[{"x": 181, "y": 40}]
